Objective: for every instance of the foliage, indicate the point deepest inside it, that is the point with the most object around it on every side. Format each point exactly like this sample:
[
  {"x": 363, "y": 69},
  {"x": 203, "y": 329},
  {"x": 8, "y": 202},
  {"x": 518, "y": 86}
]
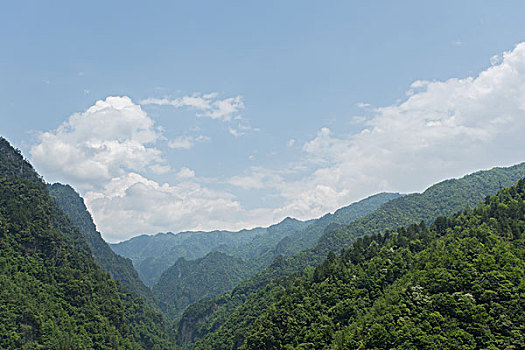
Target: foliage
[
  {"x": 152, "y": 255},
  {"x": 456, "y": 285},
  {"x": 189, "y": 281},
  {"x": 52, "y": 294},
  {"x": 120, "y": 268},
  {"x": 225, "y": 322}
]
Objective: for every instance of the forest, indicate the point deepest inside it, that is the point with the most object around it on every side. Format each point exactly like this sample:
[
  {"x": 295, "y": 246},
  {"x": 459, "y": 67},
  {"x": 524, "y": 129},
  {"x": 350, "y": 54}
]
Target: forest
[{"x": 443, "y": 269}]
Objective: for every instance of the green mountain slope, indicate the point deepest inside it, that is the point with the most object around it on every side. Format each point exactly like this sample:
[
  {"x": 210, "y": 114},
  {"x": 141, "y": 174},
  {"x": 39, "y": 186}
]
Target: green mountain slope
[
  {"x": 238, "y": 309},
  {"x": 308, "y": 237},
  {"x": 189, "y": 281},
  {"x": 152, "y": 255},
  {"x": 177, "y": 293},
  {"x": 52, "y": 294},
  {"x": 456, "y": 285},
  {"x": 120, "y": 268}
]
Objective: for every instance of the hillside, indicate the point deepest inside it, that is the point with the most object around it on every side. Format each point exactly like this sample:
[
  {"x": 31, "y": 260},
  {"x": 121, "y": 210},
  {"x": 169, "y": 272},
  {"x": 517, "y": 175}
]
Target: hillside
[
  {"x": 176, "y": 293},
  {"x": 238, "y": 309},
  {"x": 457, "y": 284},
  {"x": 52, "y": 293},
  {"x": 189, "y": 281},
  {"x": 152, "y": 255},
  {"x": 120, "y": 268}
]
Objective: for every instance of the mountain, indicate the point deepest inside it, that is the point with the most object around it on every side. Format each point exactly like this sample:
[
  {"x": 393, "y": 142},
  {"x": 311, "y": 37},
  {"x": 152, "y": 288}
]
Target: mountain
[
  {"x": 52, "y": 293},
  {"x": 231, "y": 314},
  {"x": 308, "y": 237},
  {"x": 120, "y": 268},
  {"x": 189, "y": 281},
  {"x": 152, "y": 255},
  {"x": 458, "y": 284},
  {"x": 201, "y": 280}
]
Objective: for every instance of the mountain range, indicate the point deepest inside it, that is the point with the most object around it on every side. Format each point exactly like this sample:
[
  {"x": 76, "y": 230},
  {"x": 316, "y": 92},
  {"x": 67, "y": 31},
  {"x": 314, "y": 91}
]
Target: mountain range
[{"x": 444, "y": 268}]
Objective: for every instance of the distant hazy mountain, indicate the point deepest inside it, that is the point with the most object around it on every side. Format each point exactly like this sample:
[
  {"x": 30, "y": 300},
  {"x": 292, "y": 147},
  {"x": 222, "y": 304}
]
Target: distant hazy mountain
[
  {"x": 201, "y": 280},
  {"x": 456, "y": 284},
  {"x": 152, "y": 255}
]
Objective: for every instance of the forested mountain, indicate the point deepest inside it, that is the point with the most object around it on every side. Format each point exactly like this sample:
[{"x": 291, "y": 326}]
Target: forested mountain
[
  {"x": 216, "y": 273},
  {"x": 458, "y": 284},
  {"x": 307, "y": 238},
  {"x": 152, "y": 255},
  {"x": 52, "y": 293},
  {"x": 189, "y": 281},
  {"x": 121, "y": 269},
  {"x": 231, "y": 314}
]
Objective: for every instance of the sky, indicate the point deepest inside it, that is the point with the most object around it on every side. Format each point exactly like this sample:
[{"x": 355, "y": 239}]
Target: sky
[{"x": 202, "y": 115}]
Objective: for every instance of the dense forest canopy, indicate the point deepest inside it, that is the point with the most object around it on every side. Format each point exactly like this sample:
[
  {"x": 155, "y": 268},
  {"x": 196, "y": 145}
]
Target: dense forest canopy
[
  {"x": 52, "y": 293},
  {"x": 456, "y": 284},
  {"x": 230, "y": 315},
  {"x": 444, "y": 269}
]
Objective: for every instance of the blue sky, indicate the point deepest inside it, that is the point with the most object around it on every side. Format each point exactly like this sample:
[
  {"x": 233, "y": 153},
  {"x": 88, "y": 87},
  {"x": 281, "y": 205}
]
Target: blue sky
[{"x": 235, "y": 114}]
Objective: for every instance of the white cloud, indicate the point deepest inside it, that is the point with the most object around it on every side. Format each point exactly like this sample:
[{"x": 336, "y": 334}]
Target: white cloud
[
  {"x": 160, "y": 169},
  {"x": 207, "y": 105},
  {"x": 107, "y": 152},
  {"x": 109, "y": 139},
  {"x": 187, "y": 142},
  {"x": 291, "y": 142},
  {"x": 495, "y": 60},
  {"x": 185, "y": 173},
  {"x": 444, "y": 129},
  {"x": 235, "y": 132},
  {"x": 240, "y": 129},
  {"x": 132, "y": 204}
]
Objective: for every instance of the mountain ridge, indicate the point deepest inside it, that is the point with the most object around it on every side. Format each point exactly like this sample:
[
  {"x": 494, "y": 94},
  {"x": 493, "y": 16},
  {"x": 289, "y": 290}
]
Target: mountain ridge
[{"x": 209, "y": 318}]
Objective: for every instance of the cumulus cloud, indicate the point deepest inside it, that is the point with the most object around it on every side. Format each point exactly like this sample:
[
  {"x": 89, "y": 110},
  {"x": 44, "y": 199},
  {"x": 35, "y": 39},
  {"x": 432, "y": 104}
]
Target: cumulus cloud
[
  {"x": 207, "y": 105},
  {"x": 257, "y": 178},
  {"x": 440, "y": 130},
  {"x": 443, "y": 129},
  {"x": 107, "y": 152},
  {"x": 110, "y": 138},
  {"x": 132, "y": 204}
]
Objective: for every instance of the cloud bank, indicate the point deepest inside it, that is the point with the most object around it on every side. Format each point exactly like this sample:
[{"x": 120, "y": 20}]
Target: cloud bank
[
  {"x": 443, "y": 129},
  {"x": 112, "y": 153},
  {"x": 107, "y": 151}
]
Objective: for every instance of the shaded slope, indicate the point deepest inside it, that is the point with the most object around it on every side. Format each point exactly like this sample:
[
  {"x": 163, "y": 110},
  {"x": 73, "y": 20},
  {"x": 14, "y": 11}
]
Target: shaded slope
[
  {"x": 152, "y": 255},
  {"x": 120, "y": 268},
  {"x": 177, "y": 293},
  {"x": 306, "y": 238},
  {"x": 189, "y": 281}
]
